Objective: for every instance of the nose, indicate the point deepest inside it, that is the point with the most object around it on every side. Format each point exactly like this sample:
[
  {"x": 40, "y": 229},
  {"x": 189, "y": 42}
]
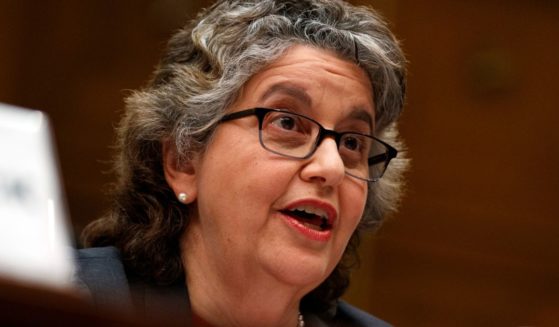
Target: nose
[{"x": 325, "y": 166}]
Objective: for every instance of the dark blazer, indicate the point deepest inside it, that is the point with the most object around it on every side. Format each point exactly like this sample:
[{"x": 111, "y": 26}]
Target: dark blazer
[{"x": 101, "y": 275}]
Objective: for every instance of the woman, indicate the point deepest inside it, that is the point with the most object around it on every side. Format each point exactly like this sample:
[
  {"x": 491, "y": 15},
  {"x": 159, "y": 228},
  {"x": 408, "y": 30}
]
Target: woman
[{"x": 249, "y": 166}]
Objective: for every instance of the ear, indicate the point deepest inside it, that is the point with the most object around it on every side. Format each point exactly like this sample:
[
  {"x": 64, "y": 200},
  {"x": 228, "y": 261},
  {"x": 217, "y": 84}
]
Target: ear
[{"x": 180, "y": 177}]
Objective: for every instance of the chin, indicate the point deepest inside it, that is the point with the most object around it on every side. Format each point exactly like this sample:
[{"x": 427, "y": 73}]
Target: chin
[{"x": 306, "y": 271}]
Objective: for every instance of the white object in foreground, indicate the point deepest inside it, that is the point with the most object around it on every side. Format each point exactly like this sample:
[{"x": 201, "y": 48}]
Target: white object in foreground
[{"x": 34, "y": 233}]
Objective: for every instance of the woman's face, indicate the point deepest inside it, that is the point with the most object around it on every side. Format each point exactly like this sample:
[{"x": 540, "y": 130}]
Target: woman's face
[{"x": 248, "y": 210}]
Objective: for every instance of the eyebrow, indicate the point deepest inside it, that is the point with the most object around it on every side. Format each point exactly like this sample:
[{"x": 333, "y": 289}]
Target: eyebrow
[
  {"x": 358, "y": 113},
  {"x": 362, "y": 114},
  {"x": 289, "y": 89}
]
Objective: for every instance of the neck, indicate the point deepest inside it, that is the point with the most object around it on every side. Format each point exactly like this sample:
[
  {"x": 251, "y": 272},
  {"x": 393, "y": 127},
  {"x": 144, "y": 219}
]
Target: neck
[{"x": 221, "y": 295}]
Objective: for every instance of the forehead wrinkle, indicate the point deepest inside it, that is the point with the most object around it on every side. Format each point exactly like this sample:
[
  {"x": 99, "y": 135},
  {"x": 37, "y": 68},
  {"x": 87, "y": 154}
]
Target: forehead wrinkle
[{"x": 289, "y": 89}]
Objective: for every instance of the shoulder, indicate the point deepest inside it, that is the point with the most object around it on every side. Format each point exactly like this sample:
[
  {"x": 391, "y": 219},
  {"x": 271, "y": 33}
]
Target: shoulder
[
  {"x": 100, "y": 266},
  {"x": 352, "y": 316},
  {"x": 100, "y": 274},
  {"x": 102, "y": 255},
  {"x": 345, "y": 315}
]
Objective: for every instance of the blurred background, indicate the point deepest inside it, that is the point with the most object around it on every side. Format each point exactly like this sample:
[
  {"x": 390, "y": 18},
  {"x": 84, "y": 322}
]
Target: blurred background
[{"x": 476, "y": 242}]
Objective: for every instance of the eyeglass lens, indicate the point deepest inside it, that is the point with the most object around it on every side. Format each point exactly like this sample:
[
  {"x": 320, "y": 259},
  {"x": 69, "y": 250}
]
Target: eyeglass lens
[{"x": 297, "y": 136}]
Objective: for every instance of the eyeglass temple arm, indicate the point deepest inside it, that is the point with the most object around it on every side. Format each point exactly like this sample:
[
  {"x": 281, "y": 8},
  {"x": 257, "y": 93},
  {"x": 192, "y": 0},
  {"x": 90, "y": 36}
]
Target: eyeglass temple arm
[
  {"x": 383, "y": 157},
  {"x": 239, "y": 114}
]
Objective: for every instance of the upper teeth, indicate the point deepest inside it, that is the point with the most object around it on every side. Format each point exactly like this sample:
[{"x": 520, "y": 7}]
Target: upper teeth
[{"x": 312, "y": 210}]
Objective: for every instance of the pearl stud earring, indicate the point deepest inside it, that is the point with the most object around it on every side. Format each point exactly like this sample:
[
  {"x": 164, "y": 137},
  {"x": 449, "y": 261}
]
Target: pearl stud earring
[{"x": 182, "y": 197}]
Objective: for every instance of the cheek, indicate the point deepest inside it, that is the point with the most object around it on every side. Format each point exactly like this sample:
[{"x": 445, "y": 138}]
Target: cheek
[
  {"x": 264, "y": 181},
  {"x": 353, "y": 201},
  {"x": 242, "y": 176},
  {"x": 352, "y": 204}
]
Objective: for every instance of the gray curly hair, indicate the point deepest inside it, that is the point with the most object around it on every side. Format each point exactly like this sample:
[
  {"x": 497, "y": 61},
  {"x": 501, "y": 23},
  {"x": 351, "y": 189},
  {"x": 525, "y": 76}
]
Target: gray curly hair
[{"x": 201, "y": 73}]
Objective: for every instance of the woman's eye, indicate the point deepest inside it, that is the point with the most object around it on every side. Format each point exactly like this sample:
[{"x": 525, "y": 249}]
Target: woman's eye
[
  {"x": 287, "y": 123},
  {"x": 352, "y": 143}
]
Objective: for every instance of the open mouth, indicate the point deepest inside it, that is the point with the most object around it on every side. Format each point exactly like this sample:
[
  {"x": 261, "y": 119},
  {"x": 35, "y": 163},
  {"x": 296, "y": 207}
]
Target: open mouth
[{"x": 311, "y": 218}]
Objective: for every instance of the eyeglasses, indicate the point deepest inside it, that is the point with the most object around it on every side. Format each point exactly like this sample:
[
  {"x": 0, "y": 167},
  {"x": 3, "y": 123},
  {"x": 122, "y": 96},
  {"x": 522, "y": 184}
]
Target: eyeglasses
[{"x": 297, "y": 136}]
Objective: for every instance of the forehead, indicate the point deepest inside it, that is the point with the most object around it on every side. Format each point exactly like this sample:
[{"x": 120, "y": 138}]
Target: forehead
[
  {"x": 313, "y": 76},
  {"x": 306, "y": 58}
]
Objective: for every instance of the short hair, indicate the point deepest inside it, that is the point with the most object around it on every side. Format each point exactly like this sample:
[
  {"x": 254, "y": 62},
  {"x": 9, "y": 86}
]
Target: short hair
[{"x": 201, "y": 73}]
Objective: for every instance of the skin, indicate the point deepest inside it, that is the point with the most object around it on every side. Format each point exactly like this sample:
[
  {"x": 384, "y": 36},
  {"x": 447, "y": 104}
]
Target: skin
[{"x": 245, "y": 264}]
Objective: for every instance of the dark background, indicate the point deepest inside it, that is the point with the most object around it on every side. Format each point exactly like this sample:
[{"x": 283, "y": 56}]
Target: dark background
[{"x": 476, "y": 241}]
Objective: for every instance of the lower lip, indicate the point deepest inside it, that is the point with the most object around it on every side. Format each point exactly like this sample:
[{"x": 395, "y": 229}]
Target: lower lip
[{"x": 315, "y": 235}]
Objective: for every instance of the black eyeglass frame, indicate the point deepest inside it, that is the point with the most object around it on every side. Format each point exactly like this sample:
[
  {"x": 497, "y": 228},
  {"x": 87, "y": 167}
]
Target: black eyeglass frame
[{"x": 260, "y": 113}]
